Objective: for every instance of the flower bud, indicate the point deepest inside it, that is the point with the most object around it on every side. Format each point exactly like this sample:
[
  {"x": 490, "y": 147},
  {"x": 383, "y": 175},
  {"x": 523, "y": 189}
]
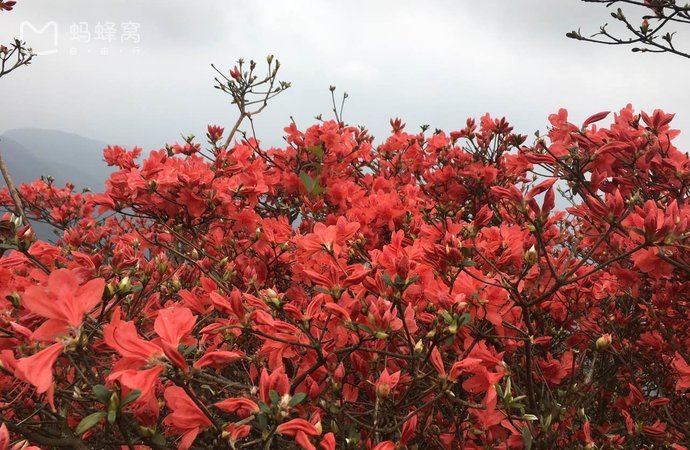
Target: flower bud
[
  {"x": 271, "y": 297},
  {"x": 383, "y": 390},
  {"x": 124, "y": 286},
  {"x": 147, "y": 431},
  {"x": 531, "y": 256},
  {"x": 645, "y": 26},
  {"x": 402, "y": 266},
  {"x": 109, "y": 291},
  {"x": 25, "y": 238},
  {"x": 113, "y": 407},
  {"x": 162, "y": 267},
  {"x": 603, "y": 342},
  {"x": 14, "y": 298},
  {"x": 176, "y": 283}
]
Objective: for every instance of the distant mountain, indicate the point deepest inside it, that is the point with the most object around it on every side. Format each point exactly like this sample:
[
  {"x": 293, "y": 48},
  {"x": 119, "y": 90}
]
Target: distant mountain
[{"x": 31, "y": 153}]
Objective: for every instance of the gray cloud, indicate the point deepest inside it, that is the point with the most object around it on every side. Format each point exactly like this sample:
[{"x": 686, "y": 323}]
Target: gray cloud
[{"x": 435, "y": 62}]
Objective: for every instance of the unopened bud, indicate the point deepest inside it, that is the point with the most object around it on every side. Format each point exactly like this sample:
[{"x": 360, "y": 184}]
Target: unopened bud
[
  {"x": 272, "y": 297},
  {"x": 25, "y": 238},
  {"x": 402, "y": 266},
  {"x": 162, "y": 266},
  {"x": 109, "y": 291},
  {"x": 124, "y": 286},
  {"x": 381, "y": 335},
  {"x": 603, "y": 342},
  {"x": 113, "y": 407},
  {"x": 383, "y": 390},
  {"x": 147, "y": 431},
  {"x": 531, "y": 256},
  {"x": 176, "y": 283}
]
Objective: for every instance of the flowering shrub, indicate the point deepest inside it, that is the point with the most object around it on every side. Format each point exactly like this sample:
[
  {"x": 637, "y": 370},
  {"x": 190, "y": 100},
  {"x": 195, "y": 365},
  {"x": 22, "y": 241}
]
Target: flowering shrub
[{"x": 421, "y": 293}]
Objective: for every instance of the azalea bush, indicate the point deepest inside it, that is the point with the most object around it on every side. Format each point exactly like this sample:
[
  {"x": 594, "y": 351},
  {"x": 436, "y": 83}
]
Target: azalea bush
[{"x": 421, "y": 292}]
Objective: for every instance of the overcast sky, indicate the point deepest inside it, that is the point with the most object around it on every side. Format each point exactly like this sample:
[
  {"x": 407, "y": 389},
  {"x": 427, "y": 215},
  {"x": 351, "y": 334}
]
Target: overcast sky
[{"x": 432, "y": 62}]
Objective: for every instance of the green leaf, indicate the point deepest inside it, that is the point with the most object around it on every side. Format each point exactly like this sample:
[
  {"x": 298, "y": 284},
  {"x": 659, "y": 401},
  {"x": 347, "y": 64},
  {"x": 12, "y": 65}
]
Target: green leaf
[
  {"x": 297, "y": 399},
  {"x": 364, "y": 328},
  {"x": 264, "y": 408},
  {"x": 637, "y": 230},
  {"x": 446, "y": 316},
  {"x": 112, "y": 416},
  {"x": 465, "y": 319},
  {"x": 318, "y": 190},
  {"x": 262, "y": 421},
  {"x": 159, "y": 440},
  {"x": 308, "y": 181},
  {"x": 316, "y": 150},
  {"x": 102, "y": 393},
  {"x": 89, "y": 422},
  {"x": 187, "y": 350},
  {"x": 526, "y": 437},
  {"x": 387, "y": 279},
  {"x": 129, "y": 398},
  {"x": 274, "y": 396}
]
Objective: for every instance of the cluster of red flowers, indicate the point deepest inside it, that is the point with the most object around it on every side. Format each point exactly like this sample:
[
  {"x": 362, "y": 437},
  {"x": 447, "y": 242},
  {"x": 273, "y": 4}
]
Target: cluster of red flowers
[{"x": 426, "y": 292}]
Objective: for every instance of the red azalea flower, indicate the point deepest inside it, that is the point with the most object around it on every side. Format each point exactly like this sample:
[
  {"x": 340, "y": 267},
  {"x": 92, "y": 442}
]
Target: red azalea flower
[
  {"x": 63, "y": 301},
  {"x": 386, "y": 383},
  {"x": 185, "y": 418}
]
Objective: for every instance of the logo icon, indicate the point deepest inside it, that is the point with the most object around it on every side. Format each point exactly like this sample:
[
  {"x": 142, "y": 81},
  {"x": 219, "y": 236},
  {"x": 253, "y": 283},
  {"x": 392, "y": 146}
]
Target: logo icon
[{"x": 43, "y": 41}]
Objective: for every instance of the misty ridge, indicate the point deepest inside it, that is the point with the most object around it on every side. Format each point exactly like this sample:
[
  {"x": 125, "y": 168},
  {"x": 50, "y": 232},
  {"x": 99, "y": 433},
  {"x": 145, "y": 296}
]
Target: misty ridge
[{"x": 32, "y": 153}]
